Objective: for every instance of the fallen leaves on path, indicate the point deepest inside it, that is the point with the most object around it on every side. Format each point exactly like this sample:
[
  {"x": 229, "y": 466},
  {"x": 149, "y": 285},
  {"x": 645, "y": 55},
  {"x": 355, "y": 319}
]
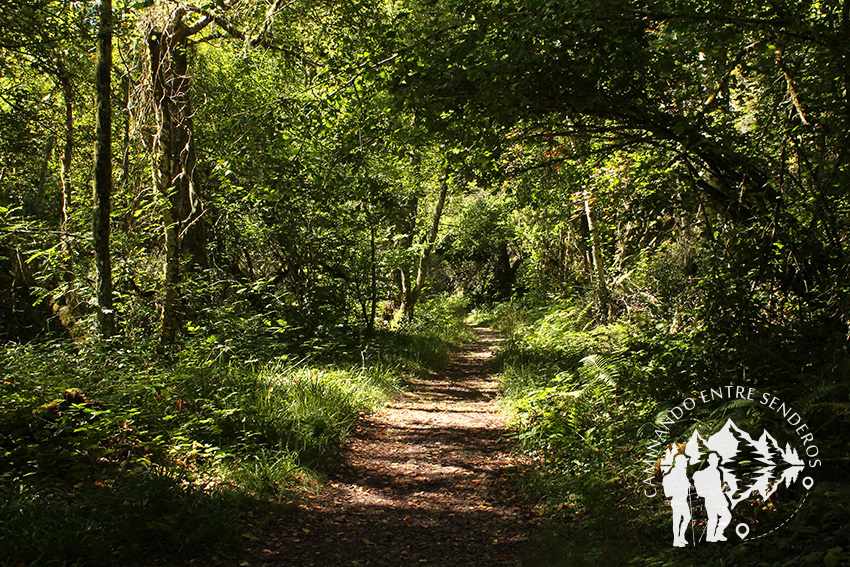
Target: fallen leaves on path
[{"x": 426, "y": 481}]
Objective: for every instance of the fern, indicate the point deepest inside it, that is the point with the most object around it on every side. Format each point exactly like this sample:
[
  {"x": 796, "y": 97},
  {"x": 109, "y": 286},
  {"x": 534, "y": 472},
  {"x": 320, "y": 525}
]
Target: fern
[{"x": 809, "y": 401}]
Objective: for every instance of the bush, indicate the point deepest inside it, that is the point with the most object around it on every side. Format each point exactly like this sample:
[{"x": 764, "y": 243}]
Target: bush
[
  {"x": 103, "y": 455},
  {"x": 582, "y": 399},
  {"x": 149, "y": 513},
  {"x": 107, "y": 446}
]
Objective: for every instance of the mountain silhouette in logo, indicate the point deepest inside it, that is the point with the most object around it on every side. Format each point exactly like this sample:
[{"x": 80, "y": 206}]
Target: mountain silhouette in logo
[
  {"x": 768, "y": 449},
  {"x": 750, "y": 465},
  {"x": 728, "y": 440},
  {"x": 721, "y": 471}
]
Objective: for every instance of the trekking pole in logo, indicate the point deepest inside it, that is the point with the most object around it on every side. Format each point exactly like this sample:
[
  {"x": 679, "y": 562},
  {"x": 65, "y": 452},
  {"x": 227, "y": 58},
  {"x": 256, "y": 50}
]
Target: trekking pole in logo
[{"x": 677, "y": 487}]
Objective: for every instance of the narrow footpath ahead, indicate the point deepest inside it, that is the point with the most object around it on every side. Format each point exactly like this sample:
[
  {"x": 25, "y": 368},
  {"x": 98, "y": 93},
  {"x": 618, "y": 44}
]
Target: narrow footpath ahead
[{"x": 427, "y": 481}]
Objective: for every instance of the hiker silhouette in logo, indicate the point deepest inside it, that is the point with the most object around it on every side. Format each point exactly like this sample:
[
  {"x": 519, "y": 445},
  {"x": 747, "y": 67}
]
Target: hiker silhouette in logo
[
  {"x": 676, "y": 487},
  {"x": 708, "y": 483}
]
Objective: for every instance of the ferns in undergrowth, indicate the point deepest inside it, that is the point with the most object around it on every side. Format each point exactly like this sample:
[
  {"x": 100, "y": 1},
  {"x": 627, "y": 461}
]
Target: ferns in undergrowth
[
  {"x": 586, "y": 403},
  {"x": 562, "y": 382}
]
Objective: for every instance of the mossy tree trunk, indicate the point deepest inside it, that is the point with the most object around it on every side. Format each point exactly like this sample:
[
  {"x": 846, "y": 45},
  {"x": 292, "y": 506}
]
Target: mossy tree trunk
[
  {"x": 103, "y": 172},
  {"x": 423, "y": 265},
  {"x": 174, "y": 168},
  {"x": 64, "y": 78}
]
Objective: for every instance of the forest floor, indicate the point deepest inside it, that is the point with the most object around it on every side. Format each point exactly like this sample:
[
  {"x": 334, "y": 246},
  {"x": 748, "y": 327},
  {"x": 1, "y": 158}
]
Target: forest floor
[{"x": 429, "y": 480}]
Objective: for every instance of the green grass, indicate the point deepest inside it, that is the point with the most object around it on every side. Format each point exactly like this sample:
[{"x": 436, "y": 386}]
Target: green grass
[
  {"x": 109, "y": 452},
  {"x": 581, "y": 396},
  {"x": 150, "y": 513},
  {"x": 89, "y": 474}
]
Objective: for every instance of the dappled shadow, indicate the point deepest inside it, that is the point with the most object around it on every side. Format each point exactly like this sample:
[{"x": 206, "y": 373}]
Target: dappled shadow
[
  {"x": 449, "y": 394},
  {"x": 135, "y": 518},
  {"x": 393, "y": 535},
  {"x": 458, "y": 409},
  {"x": 428, "y": 481}
]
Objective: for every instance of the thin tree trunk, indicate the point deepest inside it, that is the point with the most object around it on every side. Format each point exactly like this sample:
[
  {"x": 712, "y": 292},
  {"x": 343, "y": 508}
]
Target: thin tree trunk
[
  {"x": 65, "y": 165},
  {"x": 408, "y": 228},
  {"x": 600, "y": 284},
  {"x": 373, "y": 284},
  {"x": 127, "y": 89},
  {"x": 603, "y": 298},
  {"x": 68, "y": 148},
  {"x": 103, "y": 171},
  {"x": 845, "y": 32},
  {"x": 428, "y": 248},
  {"x": 170, "y": 305}
]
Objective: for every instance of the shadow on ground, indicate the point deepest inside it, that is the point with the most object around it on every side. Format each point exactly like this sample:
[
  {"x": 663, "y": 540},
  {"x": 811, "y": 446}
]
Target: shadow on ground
[{"x": 428, "y": 481}]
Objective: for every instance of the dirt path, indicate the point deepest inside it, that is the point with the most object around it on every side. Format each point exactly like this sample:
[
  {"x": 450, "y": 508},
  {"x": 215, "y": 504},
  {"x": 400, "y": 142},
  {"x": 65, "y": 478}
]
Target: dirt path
[{"x": 427, "y": 481}]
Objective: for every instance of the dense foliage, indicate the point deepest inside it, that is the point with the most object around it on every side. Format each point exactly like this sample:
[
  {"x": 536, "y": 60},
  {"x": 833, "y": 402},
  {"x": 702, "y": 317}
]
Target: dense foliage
[
  {"x": 109, "y": 451},
  {"x": 305, "y": 195},
  {"x": 585, "y": 401}
]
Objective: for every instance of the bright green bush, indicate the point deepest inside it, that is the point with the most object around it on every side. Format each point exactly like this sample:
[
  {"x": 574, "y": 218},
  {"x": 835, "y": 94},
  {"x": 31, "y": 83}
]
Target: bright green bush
[
  {"x": 441, "y": 317},
  {"x": 561, "y": 381}
]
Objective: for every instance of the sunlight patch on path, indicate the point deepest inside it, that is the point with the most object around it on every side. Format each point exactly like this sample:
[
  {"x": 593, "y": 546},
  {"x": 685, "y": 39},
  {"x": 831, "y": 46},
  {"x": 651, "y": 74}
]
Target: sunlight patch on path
[{"x": 428, "y": 480}]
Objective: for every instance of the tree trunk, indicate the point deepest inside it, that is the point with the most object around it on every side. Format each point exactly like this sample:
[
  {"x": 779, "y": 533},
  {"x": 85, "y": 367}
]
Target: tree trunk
[
  {"x": 170, "y": 304},
  {"x": 603, "y": 298},
  {"x": 175, "y": 161},
  {"x": 162, "y": 180},
  {"x": 373, "y": 277},
  {"x": 68, "y": 148},
  {"x": 428, "y": 248},
  {"x": 103, "y": 171},
  {"x": 64, "y": 79},
  {"x": 845, "y": 32},
  {"x": 188, "y": 205},
  {"x": 126, "y": 89},
  {"x": 600, "y": 284},
  {"x": 408, "y": 229}
]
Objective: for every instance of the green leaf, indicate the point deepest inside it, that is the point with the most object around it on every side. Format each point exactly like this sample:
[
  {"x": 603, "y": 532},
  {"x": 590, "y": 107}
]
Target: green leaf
[
  {"x": 141, "y": 4},
  {"x": 832, "y": 557}
]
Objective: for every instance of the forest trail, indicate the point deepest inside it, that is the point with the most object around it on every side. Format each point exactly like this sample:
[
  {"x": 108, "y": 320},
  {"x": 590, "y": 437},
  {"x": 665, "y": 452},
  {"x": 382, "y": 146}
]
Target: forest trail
[{"x": 429, "y": 480}]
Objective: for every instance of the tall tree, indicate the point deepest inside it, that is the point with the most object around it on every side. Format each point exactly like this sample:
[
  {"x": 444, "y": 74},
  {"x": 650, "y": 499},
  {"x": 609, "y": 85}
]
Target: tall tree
[
  {"x": 65, "y": 81},
  {"x": 175, "y": 162},
  {"x": 175, "y": 168},
  {"x": 598, "y": 276},
  {"x": 747, "y": 101},
  {"x": 63, "y": 77},
  {"x": 430, "y": 241},
  {"x": 103, "y": 171}
]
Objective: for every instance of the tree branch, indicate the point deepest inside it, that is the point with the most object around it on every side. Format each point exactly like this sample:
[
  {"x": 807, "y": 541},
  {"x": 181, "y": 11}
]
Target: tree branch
[
  {"x": 792, "y": 92},
  {"x": 234, "y": 32}
]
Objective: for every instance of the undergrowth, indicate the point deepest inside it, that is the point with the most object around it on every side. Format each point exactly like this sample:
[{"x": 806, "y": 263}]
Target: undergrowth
[
  {"x": 585, "y": 398},
  {"x": 108, "y": 451}
]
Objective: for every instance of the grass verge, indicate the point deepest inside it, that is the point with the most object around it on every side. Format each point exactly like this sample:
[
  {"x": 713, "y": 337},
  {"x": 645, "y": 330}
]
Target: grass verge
[
  {"x": 584, "y": 399},
  {"x": 111, "y": 455}
]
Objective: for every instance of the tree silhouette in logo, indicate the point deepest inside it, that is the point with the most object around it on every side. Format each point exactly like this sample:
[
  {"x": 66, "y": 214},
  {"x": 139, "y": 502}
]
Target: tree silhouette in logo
[{"x": 724, "y": 470}]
